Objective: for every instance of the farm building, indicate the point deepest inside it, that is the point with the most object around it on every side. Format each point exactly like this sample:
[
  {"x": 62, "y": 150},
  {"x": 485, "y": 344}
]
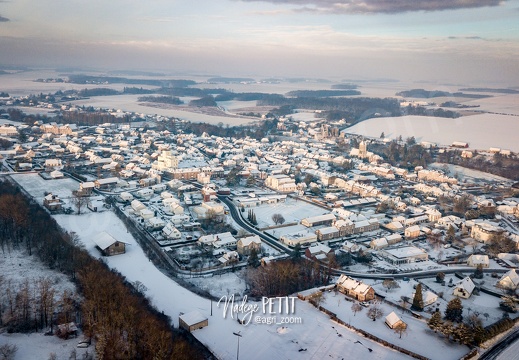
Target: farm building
[
  {"x": 392, "y": 321},
  {"x": 192, "y": 321},
  {"x": 109, "y": 245}
]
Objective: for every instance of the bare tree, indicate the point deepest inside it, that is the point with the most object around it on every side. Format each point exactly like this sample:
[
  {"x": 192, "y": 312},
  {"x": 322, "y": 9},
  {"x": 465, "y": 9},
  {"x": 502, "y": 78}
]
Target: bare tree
[
  {"x": 390, "y": 284},
  {"x": 375, "y": 312},
  {"x": 79, "y": 201},
  {"x": 356, "y": 307},
  {"x": 8, "y": 351},
  {"x": 400, "y": 329},
  {"x": 278, "y": 219}
]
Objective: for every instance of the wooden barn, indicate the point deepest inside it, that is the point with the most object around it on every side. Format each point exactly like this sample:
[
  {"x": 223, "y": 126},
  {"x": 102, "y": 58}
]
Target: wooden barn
[
  {"x": 108, "y": 245},
  {"x": 192, "y": 321}
]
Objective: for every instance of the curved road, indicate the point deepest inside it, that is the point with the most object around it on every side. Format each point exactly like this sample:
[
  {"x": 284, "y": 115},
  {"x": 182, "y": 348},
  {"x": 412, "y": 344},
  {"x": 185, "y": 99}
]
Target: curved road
[{"x": 235, "y": 213}]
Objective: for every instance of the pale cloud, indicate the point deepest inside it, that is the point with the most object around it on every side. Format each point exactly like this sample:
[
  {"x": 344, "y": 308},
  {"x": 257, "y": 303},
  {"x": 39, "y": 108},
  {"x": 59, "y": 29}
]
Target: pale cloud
[{"x": 380, "y": 6}]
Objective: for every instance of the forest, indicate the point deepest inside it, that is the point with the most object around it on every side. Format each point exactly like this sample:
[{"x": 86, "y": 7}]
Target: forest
[
  {"x": 112, "y": 311},
  {"x": 428, "y": 94}
]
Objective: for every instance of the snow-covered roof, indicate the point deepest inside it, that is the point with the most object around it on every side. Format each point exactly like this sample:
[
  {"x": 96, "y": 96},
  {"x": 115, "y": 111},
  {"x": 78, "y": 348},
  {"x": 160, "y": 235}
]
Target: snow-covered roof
[
  {"x": 192, "y": 318},
  {"x": 104, "y": 240}
]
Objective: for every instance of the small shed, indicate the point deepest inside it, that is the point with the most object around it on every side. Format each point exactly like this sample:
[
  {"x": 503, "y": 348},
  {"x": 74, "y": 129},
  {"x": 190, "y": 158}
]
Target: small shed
[
  {"x": 109, "y": 245},
  {"x": 192, "y": 321},
  {"x": 392, "y": 321}
]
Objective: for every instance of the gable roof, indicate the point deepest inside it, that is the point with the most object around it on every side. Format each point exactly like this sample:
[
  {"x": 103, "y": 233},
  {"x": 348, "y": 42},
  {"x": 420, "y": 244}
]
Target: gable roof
[
  {"x": 466, "y": 284},
  {"x": 104, "y": 240},
  {"x": 392, "y": 319}
]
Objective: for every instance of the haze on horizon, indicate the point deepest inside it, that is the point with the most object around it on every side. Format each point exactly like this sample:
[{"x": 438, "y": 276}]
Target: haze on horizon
[{"x": 456, "y": 41}]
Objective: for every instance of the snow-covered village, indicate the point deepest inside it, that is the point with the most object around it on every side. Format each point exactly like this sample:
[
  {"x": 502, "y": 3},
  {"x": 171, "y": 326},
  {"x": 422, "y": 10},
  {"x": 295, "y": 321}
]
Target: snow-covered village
[{"x": 289, "y": 237}]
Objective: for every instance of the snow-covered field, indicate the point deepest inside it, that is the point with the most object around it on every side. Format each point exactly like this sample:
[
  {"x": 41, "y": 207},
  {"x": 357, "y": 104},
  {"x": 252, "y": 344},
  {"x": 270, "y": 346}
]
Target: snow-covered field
[
  {"x": 37, "y": 346},
  {"x": 292, "y": 210},
  {"x": 222, "y": 284},
  {"x": 37, "y": 186},
  {"x": 467, "y": 174},
  {"x": 481, "y": 131},
  {"x": 419, "y": 338}
]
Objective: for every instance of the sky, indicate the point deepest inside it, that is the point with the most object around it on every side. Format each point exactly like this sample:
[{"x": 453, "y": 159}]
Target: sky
[{"x": 457, "y": 41}]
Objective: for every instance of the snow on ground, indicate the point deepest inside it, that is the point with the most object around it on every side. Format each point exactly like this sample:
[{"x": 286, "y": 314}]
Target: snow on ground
[
  {"x": 419, "y": 338},
  {"x": 37, "y": 346},
  {"x": 37, "y": 186},
  {"x": 467, "y": 174},
  {"x": 17, "y": 266},
  {"x": 317, "y": 333},
  {"x": 221, "y": 284},
  {"x": 481, "y": 131},
  {"x": 292, "y": 210},
  {"x": 131, "y": 103}
]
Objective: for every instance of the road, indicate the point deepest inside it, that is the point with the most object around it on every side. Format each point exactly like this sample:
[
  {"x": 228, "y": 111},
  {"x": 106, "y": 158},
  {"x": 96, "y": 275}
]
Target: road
[
  {"x": 503, "y": 344},
  {"x": 235, "y": 214}
]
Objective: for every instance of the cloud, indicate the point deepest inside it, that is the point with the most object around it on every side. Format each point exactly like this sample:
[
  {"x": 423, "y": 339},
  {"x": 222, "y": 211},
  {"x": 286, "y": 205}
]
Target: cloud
[
  {"x": 380, "y": 6},
  {"x": 3, "y": 19}
]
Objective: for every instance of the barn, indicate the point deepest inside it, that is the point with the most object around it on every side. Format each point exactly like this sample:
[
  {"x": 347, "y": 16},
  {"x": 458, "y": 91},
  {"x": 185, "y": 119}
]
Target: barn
[
  {"x": 192, "y": 321},
  {"x": 108, "y": 245}
]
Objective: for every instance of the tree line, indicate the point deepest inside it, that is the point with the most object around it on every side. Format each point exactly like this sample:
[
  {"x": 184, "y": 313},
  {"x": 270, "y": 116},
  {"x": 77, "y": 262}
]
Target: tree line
[
  {"x": 285, "y": 277},
  {"x": 114, "y": 312}
]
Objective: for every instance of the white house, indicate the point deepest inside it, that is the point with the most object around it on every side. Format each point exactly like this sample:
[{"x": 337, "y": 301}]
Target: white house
[
  {"x": 475, "y": 260},
  {"x": 510, "y": 280},
  {"x": 464, "y": 288},
  {"x": 171, "y": 232}
]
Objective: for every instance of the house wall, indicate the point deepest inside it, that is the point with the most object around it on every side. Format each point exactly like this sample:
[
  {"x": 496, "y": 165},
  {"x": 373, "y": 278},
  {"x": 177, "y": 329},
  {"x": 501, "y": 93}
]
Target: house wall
[{"x": 116, "y": 249}]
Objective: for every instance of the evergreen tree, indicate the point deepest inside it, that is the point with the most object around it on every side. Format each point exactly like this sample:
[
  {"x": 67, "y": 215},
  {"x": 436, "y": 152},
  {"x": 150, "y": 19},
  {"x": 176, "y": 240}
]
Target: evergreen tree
[
  {"x": 296, "y": 252},
  {"x": 418, "y": 298},
  {"x": 440, "y": 277},
  {"x": 435, "y": 322},
  {"x": 454, "y": 311},
  {"x": 463, "y": 334},
  {"x": 478, "y": 274},
  {"x": 253, "y": 259}
]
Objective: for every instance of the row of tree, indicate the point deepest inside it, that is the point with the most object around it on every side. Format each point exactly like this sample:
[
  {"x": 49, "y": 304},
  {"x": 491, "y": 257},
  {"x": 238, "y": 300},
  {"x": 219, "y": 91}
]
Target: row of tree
[{"x": 286, "y": 277}]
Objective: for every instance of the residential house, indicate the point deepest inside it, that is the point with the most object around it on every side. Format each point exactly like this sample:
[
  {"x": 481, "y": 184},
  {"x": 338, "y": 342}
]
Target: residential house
[
  {"x": 318, "y": 252},
  {"x": 510, "y": 280},
  {"x": 476, "y": 260},
  {"x": 247, "y": 244},
  {"x": 355, "y": 288},
  {"x": 52, "y": 202},
  {"x": 412, "y": 232},
  {"x": 171, "y": 232},
  {"x": 464, "y": 288},
  {"x": 229, "y": 258}
]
